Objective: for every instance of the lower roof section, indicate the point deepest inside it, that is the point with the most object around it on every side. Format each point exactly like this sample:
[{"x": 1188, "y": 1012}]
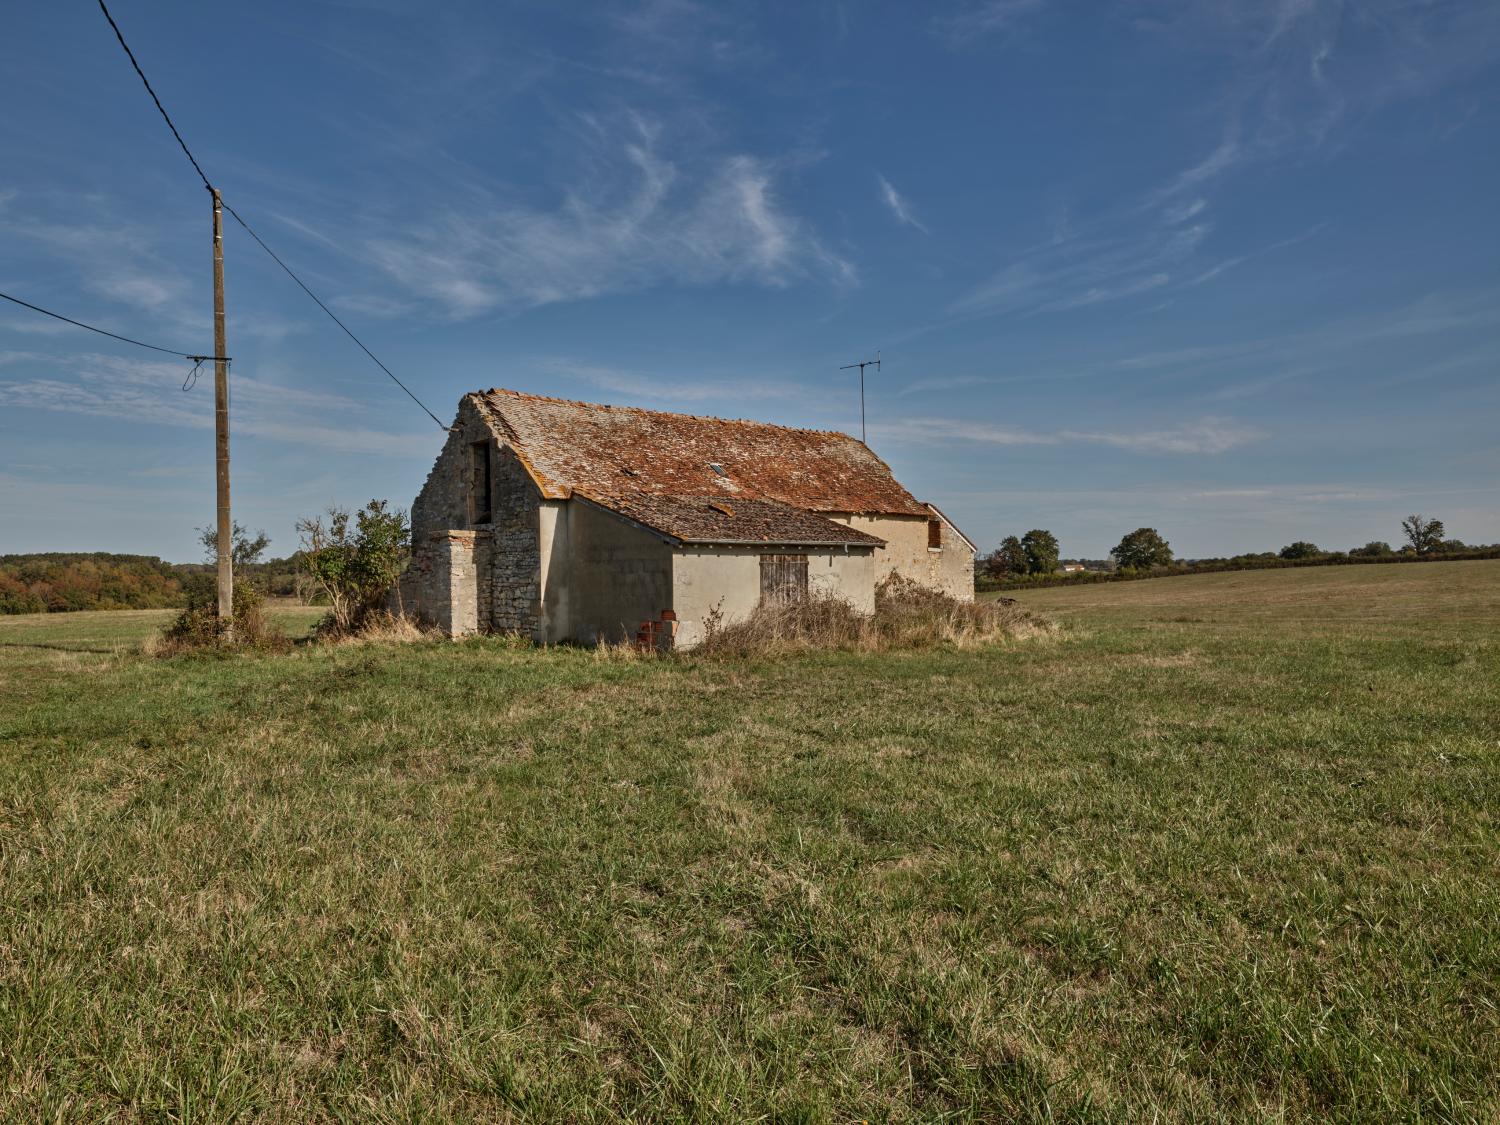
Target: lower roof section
[{"x": 731, "y": 521}]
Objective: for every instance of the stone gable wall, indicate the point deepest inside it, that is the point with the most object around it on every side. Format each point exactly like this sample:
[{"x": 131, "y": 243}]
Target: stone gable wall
[
  {"x": 502, "y": 564},
  {"x": 515, "y": 560},
  {"x": 949, "y": 570},
  {"x": 443, "y": 503}
]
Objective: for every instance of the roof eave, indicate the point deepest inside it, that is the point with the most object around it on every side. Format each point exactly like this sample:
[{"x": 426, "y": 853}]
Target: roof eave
[
  {"x": 665, "y": 536},
  {"x": 856, "y": 544}
]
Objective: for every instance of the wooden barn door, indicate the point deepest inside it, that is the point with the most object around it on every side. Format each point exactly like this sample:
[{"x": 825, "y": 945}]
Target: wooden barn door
[{"x": 783, "y": 579}]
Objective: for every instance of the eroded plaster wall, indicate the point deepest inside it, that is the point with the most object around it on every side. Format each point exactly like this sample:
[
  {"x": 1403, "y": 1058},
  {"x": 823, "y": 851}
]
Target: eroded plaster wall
[
  {"x": 848, "y": 576},
  {"x": 724, "y": 582},
  {"x": 619, "y": 574},
  {"x": 949, "y": 568},
  {"x": 555, "y": 576}
]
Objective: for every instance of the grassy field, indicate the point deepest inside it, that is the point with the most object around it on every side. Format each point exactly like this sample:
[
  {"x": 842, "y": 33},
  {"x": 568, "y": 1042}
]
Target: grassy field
[{"x": 1223, "y": 847}]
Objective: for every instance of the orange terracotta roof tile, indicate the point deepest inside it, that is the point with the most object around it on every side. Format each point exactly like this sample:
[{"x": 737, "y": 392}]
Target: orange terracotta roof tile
[
  {"x": 613, "y": 453},
  {"x": 710, "y": 520}
]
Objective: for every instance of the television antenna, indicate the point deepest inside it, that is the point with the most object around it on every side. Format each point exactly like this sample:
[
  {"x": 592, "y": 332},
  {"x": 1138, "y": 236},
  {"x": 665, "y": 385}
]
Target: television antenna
[{"x": 875, "y": 363}]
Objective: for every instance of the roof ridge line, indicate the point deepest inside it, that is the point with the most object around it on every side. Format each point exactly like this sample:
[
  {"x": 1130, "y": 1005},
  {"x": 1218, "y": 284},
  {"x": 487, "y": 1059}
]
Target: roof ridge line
[{"x": 669, "y": 413}]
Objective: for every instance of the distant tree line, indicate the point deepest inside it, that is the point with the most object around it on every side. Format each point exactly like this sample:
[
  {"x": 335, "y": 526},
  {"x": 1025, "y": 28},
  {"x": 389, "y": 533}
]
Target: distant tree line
[
  {"x": 58, "y": 582},
  {"x": 347, "y": 561},
  {"x": 54, "y": 582},
  {"x": 1143, "y": 553}
]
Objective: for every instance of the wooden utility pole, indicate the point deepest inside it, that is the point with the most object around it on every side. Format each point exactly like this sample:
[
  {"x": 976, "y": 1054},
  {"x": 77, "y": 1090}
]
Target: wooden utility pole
[{"x": 221, "y": 423}]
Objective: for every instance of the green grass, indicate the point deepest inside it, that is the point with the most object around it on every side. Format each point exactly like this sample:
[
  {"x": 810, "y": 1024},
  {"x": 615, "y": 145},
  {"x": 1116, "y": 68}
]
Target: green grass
[{"x": 1223, "y": 848}]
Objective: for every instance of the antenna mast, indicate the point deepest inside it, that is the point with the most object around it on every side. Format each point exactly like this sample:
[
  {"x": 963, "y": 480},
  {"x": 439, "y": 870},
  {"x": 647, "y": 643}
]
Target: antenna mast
[{"x": 875, "y": 363}]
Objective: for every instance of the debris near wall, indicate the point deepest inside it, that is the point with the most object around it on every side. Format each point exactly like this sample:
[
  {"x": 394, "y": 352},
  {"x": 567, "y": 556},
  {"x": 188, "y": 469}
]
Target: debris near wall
[{"x": 907, "y": 616}]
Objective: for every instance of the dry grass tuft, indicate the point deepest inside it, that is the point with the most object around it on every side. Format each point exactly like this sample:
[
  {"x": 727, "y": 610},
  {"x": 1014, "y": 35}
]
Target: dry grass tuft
[
  {"x": 379, "y": 628},
  {"x": 907, "y": 616}
]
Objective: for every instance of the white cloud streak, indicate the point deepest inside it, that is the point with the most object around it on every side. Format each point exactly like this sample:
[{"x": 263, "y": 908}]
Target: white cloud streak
[
  {"x": 640, "y": 385},
  {"x": 139, "y": 392},
  {"x": 976, "y": 19},
  {"x": 898, "y": 205},
  {"x": 1297, "y": 71},
  {"x": 1206, "y": 436},
  {"x": 946, "y": 383},
  {"x": 1077, "y": 274},
  {"x": 639, "y": 220}
]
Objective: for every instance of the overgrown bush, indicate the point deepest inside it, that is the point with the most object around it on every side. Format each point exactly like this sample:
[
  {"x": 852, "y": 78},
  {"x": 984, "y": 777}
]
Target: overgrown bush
[
  {"x": 378, "y": 627},
  {"x": 355, "y": 560},
  {"x": 198, "y": 628},
  {"x": 907, "y": 616}
]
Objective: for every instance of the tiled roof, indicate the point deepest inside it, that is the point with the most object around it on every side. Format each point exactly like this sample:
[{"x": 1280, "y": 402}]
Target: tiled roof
[
  {"x": 615, "y": 453},
  {"x": 732, "y": 520}
]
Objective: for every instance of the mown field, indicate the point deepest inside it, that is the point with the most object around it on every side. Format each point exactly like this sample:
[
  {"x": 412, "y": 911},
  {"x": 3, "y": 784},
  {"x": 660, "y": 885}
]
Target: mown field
[{"x": 1222, "y": 848}]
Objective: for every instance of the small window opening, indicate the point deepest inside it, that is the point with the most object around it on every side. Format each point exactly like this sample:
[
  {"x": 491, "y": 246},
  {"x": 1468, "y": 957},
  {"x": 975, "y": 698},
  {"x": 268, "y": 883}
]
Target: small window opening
[
  {"x": 783, "y": 579},
  {"x": 479, "y": 452},
  {"x": 718, "y": 468},
  {"x": 934, "y": 535}
]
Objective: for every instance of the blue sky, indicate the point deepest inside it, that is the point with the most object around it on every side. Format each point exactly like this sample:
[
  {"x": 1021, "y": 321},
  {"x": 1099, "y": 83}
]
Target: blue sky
[{"x": 1229, "y": 269}]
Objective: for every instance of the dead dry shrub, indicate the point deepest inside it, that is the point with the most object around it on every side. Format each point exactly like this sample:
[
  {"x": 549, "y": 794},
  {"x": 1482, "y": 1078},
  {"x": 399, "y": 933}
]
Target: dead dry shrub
[
  {"x": 376, "y": 627},
  {"x": 199, "y": 629},
  {"x": 907, "y": 616}
]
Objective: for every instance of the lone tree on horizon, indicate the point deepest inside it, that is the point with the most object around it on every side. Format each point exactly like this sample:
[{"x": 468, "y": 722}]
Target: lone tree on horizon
[
  {"x": 1008, "y": 558},
  {"x": 1424, "y": 535},
  {"x": 1142, "y": 549},
  {"x": 244, "y": 550},
  {"x": 1041, "y": 551}
]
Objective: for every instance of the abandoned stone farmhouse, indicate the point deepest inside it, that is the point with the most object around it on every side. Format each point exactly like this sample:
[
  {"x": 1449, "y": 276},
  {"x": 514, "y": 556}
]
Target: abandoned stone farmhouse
[{"x": 571, "y": 521}]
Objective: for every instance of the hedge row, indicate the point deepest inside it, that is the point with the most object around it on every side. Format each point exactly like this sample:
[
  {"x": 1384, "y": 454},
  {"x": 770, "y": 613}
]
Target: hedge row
[{"x": 984, "y": 585}]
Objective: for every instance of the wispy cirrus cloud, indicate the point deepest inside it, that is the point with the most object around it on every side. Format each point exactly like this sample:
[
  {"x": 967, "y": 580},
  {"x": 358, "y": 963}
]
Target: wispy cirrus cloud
[
  {"x": 1298, "y": 72},
  {"x": 898, "y": 204},
  {"x": 637, "y": 219},
  {"x": 1185, "y": 210},
  {"x": 1208, "y": 435},
  {"x": 115, "y": 261},
  {"x": 945, "y": 383},
  {"x": 1113, "y": 292},
  {"x": 1229, "y": 152},
  {"x": 1082, "y": 272},
  {"x": 1294, "y": 71},
  {"x": 640, "y": 385},
  {"x": 147, "y": 392},
  {"x": 975, "y": 19},
  {"x": 1205, "y": 436}
]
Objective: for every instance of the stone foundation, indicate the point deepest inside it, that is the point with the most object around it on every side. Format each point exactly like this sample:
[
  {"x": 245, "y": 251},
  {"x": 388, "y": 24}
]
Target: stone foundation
[{"x": 440, "y": 586}]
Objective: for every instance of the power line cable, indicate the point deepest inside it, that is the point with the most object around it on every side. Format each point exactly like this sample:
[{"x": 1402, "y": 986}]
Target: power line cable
[
  {"x": 248, "y": 230},
  {"x": 275, "y": 258},
  {"x": 160, "y": 108},
  {"x": 111, "y": 335}
]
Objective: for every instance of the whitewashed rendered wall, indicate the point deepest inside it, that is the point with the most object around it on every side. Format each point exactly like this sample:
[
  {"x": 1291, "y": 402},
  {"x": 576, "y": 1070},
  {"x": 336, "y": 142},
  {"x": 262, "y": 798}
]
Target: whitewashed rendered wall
[
  {"x": 617, "y": 575},
  {"x": 727, "y": 580},
  {"x": 949, "y": 568}
]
